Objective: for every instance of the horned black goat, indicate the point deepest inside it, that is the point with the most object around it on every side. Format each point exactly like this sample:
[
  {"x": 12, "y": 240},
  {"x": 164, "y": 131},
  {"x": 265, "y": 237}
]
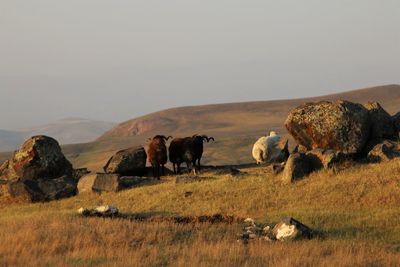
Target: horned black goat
[{"x": 188, "y": 150}]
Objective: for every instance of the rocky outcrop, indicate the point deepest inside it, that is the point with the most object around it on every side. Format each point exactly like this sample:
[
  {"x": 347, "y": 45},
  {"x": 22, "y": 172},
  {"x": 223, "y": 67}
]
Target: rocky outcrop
[
  {"x": 39, "y": 190},
  {"x": 100, "y": 211},
  {"x": 384, "y": 151},
  {"x": 131, "y": 161},
  {"x": 297, "y": 166},
  {"x": 382, "y": 126},
  {"x": 287, "y": 229},
  {"x": 342, "y": 126}
]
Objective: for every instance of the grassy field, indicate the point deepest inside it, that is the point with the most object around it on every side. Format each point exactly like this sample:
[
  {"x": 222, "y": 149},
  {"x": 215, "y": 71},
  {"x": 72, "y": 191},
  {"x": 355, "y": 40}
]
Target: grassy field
[{"x": 355, "y": 211}]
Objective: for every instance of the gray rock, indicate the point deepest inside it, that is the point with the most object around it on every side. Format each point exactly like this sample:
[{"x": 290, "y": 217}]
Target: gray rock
[
  {"x": 290, "y": 229},
  {"x": 278, "y": 167},
  {"x": 297, "y": 166},
  {"x": 396, "y": 121},
  {"x": 39, "y": 190},
  {"x": 342, "y": 126},
  {"x": 128, "y": 162},
  {"x": 325, "y": 158},
  {"x": 108, "y": 182},
  {"x": 382, "y": 125},
  {"x": 384, "y": 151}
]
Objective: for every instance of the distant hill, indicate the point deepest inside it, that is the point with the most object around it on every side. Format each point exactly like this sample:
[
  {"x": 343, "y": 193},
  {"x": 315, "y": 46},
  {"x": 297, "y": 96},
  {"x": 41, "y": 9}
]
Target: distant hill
[
  {"x": 66, "y": 131},
  {"x": 239, "y": 118}
]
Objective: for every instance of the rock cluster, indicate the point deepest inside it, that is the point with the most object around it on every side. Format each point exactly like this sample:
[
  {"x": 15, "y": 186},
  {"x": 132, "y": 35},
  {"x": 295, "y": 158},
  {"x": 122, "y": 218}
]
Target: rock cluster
[
  {"x": 100, "y": 211},
  {"x": 285, "y": 230},
  {"x": 330, "y": 133}
]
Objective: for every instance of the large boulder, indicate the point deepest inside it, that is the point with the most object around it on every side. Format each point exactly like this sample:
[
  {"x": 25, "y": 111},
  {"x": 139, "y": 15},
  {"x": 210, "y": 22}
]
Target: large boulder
[
  {"x": 382, "y": 126},
  {"x": 384, "y": 151},
  {"x": 38, "y": 190},
  {"x": 40, "y": 157},
  {"x": 289, "y": 229},
  {"x": 342, "y": 126},
  {"x": 131, "y": 161},
  {"x": 297, "y": 166}
]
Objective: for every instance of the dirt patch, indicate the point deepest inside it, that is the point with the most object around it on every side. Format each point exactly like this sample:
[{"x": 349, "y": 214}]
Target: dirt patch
[{"x": 150, "y": 217}]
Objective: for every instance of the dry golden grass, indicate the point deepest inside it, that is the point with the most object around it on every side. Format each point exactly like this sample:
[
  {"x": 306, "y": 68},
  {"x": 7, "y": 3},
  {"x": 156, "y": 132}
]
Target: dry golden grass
[{"x": 355, "y": 211}]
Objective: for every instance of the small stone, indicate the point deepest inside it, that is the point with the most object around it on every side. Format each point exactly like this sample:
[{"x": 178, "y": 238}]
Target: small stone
[
  {"x": 106, "y": 210},
  {"x": 83, "y": 211},
  {"x": 252, "y": 236},
  {"x": 249, "y": 221}
]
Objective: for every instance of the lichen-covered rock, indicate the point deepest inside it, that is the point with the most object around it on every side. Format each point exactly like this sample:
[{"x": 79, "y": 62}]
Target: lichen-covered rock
[
  {"x": 382, "y": 125},
  {"x": 290, "y": 229},
  {"x": 40, "y": 157},
  {"x": 342, "y": 126},
  {"x": 39, "y": 190},
  {"x": 131, "y": 161},
  {"x": 297, "y": 166},
  {"x": 384, "y": 151},
  {"x": 325, "y": 158}
]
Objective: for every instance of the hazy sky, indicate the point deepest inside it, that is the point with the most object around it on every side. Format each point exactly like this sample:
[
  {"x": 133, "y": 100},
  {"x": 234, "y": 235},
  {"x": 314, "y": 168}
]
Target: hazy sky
[{"x": 114, "y": 60}]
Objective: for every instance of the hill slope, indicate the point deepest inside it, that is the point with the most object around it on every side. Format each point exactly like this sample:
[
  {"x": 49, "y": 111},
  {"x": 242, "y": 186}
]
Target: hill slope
[
  {"x": 235, "y": 126},
  {"x": 237, "y": 118}
]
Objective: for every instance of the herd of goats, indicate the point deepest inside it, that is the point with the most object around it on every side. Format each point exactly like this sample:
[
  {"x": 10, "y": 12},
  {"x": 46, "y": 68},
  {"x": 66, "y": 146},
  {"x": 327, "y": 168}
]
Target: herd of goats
[{"x": 189, "y": 150}]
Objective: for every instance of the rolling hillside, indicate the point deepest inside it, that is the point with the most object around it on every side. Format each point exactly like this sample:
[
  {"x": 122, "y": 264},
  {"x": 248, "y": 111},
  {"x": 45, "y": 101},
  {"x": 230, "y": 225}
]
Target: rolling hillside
[{"x": 235, "y": 126}]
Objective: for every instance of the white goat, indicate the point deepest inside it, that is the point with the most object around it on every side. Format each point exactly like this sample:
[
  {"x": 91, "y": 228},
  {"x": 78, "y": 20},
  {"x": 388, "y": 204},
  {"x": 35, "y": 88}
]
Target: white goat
[{"x": 269, "y": 149}]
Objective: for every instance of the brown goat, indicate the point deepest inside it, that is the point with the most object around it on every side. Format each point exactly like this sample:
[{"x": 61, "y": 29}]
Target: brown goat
[{"x": 157, "y": 154}]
